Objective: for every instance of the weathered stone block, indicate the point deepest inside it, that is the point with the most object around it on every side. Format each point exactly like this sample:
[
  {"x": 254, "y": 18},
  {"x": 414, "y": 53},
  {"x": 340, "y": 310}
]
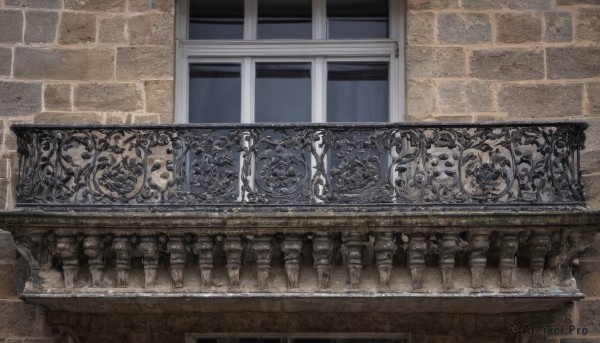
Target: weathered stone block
[
  {"x": 67, "y": 118},
  {"x": 432, "y": 4},
  {"x": 159, "y": 96},
  {"x": 118, "y": 118},
  {"x": 573, "y": 62},
  {"x": 593, "y": 97},
  {"x": 46, "y": 4},
  {"x": 5, "y": 61},
  {"x": 57, "y": 97},
  {"x": 112, "y": 30},
  {"x": 11, "y": 26},
  {"x": 146, "y": 119},
  {"x": 559, "y": 27},
  {"x": 108, "y": 97},
  {"x": 467, "y": 28},
  {"x": 63, "y": 64},
  {"x": 144, "y": 63},
  {"x": 590, "y": 156},
  {"x": 151, "y": 29},
  {"x": 40, "y": 26},
  {"x": 507, "y": 64},
  {"x": 460, "y": 97},
  {"x": 541, "y": 100},
  {"x": 511, "y": 4},
  {"x": 588, "y": 25},
  {"x": 96, "y": 5},
  {"x": 518, "y": 28},
  {"x": 420, "y": 28},
  {"x": 145, "y": 5},
  {"x": 17, "y": 318},
  {"x": 435, "y": 62},
  {"x": 420, "y": 100},
  {"x": 167, "y": 118},
  {"x": 77, "y": 28},
  {"x": 18, "y": 98},
  {"x": 589, "y": 315},
  {"x": 577, "y": 2}
]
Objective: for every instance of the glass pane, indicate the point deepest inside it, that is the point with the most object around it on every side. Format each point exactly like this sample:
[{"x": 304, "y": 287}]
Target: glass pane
[
  {"x": 357, "y": 19},
  {"x": 284, "y": 19},
  {"x": 357, "y": 92},
  {"x": 223, "y": 19},
  {"x": 215, "y": 93},
  {"x": 283, "y": 92}
]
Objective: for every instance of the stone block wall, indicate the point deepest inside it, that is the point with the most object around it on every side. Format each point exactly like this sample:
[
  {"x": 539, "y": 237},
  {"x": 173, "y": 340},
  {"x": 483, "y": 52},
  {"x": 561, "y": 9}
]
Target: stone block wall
[
  {"x": 480, "y": 60},
  {"x": 82, "y": 62}
]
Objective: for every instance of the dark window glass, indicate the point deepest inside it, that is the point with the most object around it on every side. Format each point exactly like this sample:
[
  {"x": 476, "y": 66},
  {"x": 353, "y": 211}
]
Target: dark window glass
[
  {"x": 284, "y": 19},
  {"x": 357, "y": 19},
  {"x": 357, "y": 92},
  {"x": 223, "y": 19},
  {"x": 283, "y": 92},
  {"x": 215, "y": 93}
]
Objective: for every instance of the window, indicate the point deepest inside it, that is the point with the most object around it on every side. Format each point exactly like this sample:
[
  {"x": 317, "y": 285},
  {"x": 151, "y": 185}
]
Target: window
[{"x": 245, "y": 61}]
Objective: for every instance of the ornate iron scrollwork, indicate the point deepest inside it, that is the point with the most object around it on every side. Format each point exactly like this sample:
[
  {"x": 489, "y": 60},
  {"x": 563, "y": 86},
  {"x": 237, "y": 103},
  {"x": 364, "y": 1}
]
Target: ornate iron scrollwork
[{"x": 305, "y": 165}]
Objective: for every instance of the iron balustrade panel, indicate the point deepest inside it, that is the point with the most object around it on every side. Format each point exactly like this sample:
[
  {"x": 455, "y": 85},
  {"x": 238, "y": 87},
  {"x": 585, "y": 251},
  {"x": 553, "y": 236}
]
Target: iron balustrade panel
[{"x": 250, "y": 166}]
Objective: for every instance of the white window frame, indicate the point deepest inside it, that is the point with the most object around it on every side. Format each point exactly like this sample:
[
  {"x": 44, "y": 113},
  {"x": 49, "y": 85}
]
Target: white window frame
[{"x": 317, "y": 51}]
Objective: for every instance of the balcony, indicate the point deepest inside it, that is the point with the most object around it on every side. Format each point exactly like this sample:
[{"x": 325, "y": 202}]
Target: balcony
[{"x": 405, "y": 217}]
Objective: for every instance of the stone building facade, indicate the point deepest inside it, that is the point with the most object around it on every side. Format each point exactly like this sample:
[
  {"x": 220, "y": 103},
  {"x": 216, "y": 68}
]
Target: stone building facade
[{"x": 112, "y": 62}]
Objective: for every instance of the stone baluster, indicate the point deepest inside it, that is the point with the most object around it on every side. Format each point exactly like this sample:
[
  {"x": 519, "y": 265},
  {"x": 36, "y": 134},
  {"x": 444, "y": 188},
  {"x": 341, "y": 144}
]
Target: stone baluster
[
  {"x": 478, "y": 244},
  {"x": 123, "y": 249},
  {"x": 417, "y": 247},
  {"x": 385, "y": 248},
  {"x": 205, "y": 248},
  {"x": 93, "y": 248},
  {"x": 149, "y": 248},
  {"x": 233, "y": 252},
  {"x": 291, "y": 246},
  {"x": 539, "y": 245},
  {"x": 448, "y": 248},
  {"x": 263, "y": 249},
  {"x": 322, "y": 248},
  {"x": 176, "y": 247},
  {"x": 352, "y": 244},
  {"x": 68, "y": 248},
  {"x": 508, "y": 248}
]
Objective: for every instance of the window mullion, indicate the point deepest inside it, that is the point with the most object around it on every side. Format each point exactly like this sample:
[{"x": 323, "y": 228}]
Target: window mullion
[
  {"x": 318, "y": 91},
  {"x": 248, "y": 82},
  {"x": 250, "y": 19},
  {"x": 319, "y": 19}
]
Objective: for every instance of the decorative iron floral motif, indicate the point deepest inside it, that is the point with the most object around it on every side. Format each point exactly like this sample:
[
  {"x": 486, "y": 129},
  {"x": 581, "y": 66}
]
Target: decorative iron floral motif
[{"x": 300, "y": 164}]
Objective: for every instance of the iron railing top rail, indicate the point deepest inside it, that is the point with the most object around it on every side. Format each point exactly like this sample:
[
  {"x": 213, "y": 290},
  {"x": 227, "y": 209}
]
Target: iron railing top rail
[{"x": 303, "y": 166}]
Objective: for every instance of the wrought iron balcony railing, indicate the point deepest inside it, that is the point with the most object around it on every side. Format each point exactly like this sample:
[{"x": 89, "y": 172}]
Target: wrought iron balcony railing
[{"x": 300, "y": 166}]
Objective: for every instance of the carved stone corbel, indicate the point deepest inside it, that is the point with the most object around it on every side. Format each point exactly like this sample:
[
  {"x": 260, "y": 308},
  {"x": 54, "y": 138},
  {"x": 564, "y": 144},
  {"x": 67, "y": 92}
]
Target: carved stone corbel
[
  {"x": 570, "y": 246},
  {"x": 385, "y": 248},
  {"x": 263, "y": 249},
  {"x": 205, "y": 248},
  {"x": 417, "y": 247},
  {"x": 68, "y": 248},
  {"x": 448, "y": 248},
  {"x": 149, "y": 248},
  {"x": 479, "y": 244},
  {"x": 123, "y": 249},
  {"x": 352, "y": 245},
  {"x": 32, "y": 249},
  {"x": 322, "y": 248},
  {"x": 291, "y": 246},
  {"x": 233, "y": 253},
  {"x": 176, "y": 247},
  {"x": 93, "y": 248},
  {"x": 539, "y": 246},
  {"x": 509, "y": 244}
]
